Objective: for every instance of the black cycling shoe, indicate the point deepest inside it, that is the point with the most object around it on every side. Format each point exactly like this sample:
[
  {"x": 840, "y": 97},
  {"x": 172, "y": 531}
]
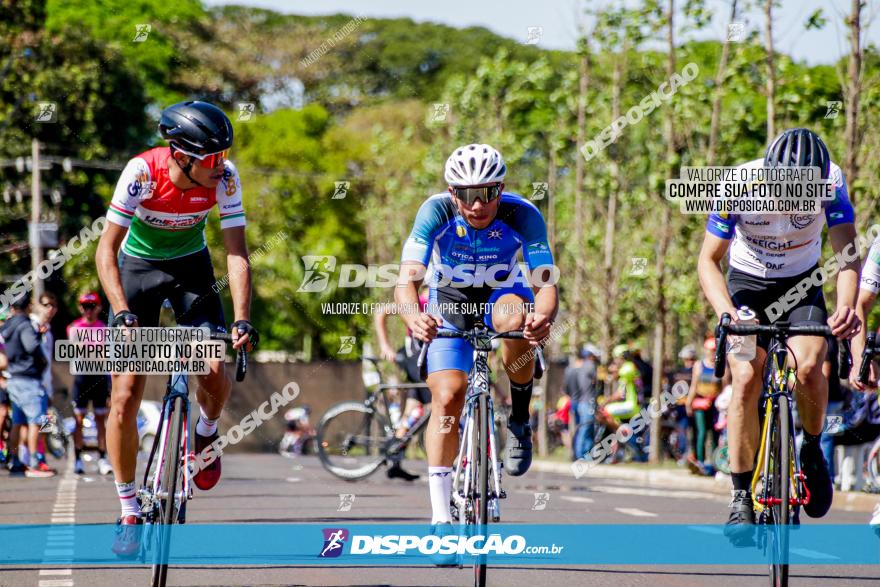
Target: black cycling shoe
[
  {"x": 817, "y": 480},
  {"x": 395, "y": 471},
  {"x": 519, "y": 448},
  {"x": 740, "y": 528}
]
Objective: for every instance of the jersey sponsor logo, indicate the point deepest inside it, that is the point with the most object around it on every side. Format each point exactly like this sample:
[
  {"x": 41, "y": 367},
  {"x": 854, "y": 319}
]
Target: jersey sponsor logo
[
  {"x": 836, "y": 215},
  {"x": 769, "y": 244},
  {"x": 198, "y": 199},
  {"x": 183, "y": 221},
  {"x": 802, "y": 220},
  {"x": 232, "y": 205},
  {"x": 757, "y": 222},
  {"x": 141, "y": 186},
  {"x": 720, "y": 226},
  {"x": 460, "y": 231},
  {"x": 495, "y": 233}
]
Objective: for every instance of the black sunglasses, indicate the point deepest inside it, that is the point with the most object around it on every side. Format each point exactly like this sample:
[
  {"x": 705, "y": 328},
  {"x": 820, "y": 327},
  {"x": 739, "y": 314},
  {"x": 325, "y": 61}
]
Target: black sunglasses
[{"x": 485, "y": 194}]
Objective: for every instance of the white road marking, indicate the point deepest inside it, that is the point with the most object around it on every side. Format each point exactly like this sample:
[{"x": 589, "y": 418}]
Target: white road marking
[
  {"x": 636, "y": 512},
  {"x": 669, "y": 493},
  {"x": 807, "y": 553},
  {"x": 59, "y": 541},
  {"x": 577, "y": 499}
]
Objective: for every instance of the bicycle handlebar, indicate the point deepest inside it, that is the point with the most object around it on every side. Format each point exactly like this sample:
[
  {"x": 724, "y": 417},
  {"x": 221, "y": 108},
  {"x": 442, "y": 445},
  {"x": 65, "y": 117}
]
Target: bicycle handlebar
[
  {"x": 513, "y": 334},
  {"x": 241, "y": 360},
  {"x": 781, "y": 329},
  {"x": 867, "y": 354}
]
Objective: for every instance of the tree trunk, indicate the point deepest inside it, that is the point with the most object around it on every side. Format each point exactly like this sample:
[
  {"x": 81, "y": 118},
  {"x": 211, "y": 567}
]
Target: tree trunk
[
  {"x": 611, "y": 214},
  {"x": 662, "y": 245},
  {"x": 853, "y": 95},
  {"x": 715, "y": 125},
  {"x": 771, "y": 71},
  {"x": 580, "y": 163}
]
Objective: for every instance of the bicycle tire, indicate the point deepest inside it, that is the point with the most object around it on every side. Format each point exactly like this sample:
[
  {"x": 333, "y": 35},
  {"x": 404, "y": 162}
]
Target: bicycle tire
[
  {"x": 168, "y": 486},
  {"x": 781, "y": 454},
  {"x": 343, "y": 465},
  {"x": 482, "y": 452}
]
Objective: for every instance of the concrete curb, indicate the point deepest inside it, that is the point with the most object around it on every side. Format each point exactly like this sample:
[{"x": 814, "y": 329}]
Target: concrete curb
[{"x": 679, "y": 479}]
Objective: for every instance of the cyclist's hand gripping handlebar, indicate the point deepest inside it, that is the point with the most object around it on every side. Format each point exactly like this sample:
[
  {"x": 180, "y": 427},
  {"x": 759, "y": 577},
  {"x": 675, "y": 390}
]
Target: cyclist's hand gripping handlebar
[{"x": 241, "y": 360}]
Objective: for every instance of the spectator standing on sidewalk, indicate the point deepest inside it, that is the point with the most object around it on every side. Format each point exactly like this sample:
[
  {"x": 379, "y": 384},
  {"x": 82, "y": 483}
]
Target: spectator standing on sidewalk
[
  {"x": 90, "y": 388},
  {"x": 41, "y": 317},
  {"x": 580, "y": 384},
  {"x": 29, "y": 402}
]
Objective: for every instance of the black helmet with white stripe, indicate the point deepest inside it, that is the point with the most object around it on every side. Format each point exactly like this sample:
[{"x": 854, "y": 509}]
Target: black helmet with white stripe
[{"x": 798, "y": 147}]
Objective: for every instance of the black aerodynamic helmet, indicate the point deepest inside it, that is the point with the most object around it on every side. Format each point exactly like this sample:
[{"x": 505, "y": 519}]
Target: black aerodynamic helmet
[
  {"x": 798, "y": 147},
  {"x": 197, "y": 127}
]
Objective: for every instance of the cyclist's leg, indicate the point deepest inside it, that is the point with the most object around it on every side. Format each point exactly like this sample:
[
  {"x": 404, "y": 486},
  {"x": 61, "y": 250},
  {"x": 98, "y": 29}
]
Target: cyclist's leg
[
  {"x": 449, "y": 362},
  {"x": 145, "y": 285},
  {"x": 196, "y": 304},
  {"x": 742, "y": 416},
  {"x": 509, "y": 309}
]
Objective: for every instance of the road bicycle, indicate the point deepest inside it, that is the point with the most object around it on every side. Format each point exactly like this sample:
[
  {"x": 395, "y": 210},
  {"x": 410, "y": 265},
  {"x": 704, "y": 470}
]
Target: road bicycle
[
  {"x": 476, "y": 481},
  {"x": 873, "y": 460},
  {"x": 356, "y": 438},
  {"x": 166, "y": 487},
  {"x": 778, "y": 487}
]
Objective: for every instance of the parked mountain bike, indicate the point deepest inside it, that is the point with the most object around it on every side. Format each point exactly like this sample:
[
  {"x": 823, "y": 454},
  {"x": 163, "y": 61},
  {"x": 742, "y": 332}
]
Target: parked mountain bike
[
  {"x": 476, "y": 481},
  {"x": 778, "y": 470},
  {"x": 166, "y": 488},
  {"x": 356, "y": 438}
]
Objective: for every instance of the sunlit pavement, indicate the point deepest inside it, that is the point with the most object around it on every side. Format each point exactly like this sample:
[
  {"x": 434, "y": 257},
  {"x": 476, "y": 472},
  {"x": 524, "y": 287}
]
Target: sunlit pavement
[{"x": 272, "y": 489}]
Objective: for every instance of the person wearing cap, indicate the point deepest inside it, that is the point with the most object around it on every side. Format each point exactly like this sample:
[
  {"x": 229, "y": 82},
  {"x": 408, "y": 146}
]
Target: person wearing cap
[
  {"x": 90, "y": 388},
  {"x": 700, "y": 406}
]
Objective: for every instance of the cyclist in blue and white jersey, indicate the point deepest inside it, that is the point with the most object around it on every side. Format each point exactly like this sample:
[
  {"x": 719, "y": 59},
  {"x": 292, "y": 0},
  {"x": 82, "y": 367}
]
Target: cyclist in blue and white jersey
[
  {"x": 473, "y": 236},
  {"x": 770, "y": 255}
]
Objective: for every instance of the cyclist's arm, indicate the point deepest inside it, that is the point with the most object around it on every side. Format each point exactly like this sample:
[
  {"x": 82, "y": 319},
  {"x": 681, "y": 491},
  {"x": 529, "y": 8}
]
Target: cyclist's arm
[
  {"x": 108, "y": 269},
  {"x": 844, "y": 322},
  {"x": 134, "y": 184},
  {"x": 711, "y": 278},
  {"x": 406, "y": 293},
  {"x": 239, "y": 272}
]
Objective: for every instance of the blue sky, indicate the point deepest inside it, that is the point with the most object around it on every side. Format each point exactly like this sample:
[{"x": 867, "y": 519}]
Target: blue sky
[{"x": 559, "y": 19}]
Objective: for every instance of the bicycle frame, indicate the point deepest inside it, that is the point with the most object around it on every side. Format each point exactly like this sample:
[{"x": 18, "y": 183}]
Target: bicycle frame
[
  {"x": 776, "y": 385},
  {"x": 478, "y": 385},
  {"x": 177, "y": 387}
]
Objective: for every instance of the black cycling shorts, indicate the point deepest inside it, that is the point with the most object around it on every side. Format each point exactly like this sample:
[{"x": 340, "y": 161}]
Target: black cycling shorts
[
  {"x": 4, "y": 397},
  {"x": 91, "y": 388},
  {"x": 758, "y": 293},
  {"x": 187, "y": 282}
]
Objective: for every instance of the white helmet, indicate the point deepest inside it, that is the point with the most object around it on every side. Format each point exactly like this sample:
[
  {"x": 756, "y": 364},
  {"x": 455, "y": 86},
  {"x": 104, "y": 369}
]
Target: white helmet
[{"x": 474, "y": 165}]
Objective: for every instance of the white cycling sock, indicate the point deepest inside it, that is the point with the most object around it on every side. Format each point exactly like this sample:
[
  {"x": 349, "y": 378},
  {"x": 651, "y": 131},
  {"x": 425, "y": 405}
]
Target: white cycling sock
[
  {"x": 440, "y": 485},
  {"x": 206, "y": 426},
  {"x": 127, "y": 493}
]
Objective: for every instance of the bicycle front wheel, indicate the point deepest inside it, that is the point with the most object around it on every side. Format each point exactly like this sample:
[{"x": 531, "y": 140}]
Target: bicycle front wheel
[
  {"x": 482, "y": 456},
  {"x": 781, "y": 454},
  {"x": 352, "y": 439},
  {"x": 169, "y": 469}
]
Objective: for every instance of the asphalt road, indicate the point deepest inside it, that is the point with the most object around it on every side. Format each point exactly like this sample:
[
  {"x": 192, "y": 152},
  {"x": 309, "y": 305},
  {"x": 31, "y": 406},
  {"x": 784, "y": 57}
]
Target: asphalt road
[{"x": 273, "y": 489}]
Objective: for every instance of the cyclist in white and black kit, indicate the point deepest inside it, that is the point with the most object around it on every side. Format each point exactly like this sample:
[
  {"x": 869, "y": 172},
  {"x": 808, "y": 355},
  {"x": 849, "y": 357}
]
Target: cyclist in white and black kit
[{"x": 769, "y": 255}]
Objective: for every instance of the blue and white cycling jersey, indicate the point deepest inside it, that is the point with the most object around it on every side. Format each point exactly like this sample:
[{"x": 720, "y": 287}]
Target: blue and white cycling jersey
[
  {"x": 475, "y": 267},
  {"x": 781, "y": 245},
  {"x": 463, "y": 257}
]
